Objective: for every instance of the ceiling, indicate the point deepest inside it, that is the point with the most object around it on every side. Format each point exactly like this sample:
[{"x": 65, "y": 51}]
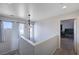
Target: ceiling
[
  {"x": 42, "y": 11},
  {"x": 38, "y": 11}
]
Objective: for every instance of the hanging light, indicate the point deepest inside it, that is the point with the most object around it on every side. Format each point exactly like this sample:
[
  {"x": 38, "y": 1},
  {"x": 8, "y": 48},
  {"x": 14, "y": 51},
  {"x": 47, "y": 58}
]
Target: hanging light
[
  {"x": 29, "y": 19},
  {"x": 29, "y": 25}
]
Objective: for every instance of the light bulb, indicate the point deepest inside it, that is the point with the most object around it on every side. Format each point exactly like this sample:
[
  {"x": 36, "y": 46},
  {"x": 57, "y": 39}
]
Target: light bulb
[{"x": 64, "y": 7}]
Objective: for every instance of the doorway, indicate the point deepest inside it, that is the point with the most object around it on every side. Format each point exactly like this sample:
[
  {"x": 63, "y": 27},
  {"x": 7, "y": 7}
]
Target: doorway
[
  {"x": 68, "y": 42},
  {"x": 67, "y": 34}
]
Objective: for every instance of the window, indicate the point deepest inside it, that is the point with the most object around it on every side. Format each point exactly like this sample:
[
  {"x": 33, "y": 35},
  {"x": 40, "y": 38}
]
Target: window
[
  {"x": 21, "y": 28},
  {"x": 7, "y": 28},
  {"x": 7, "y": 25}
]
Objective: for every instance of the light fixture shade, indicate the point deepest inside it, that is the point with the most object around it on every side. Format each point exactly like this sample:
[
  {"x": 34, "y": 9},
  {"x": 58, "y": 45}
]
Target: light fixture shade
[{"x": 28, "y": 14}]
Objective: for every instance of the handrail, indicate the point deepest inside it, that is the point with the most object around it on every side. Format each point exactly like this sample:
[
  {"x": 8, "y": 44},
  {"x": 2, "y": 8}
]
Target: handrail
[
  {"x": 29, "y": 41},
  {"x": 36, "y": 43},
  {"x": 42, "y": 47}
]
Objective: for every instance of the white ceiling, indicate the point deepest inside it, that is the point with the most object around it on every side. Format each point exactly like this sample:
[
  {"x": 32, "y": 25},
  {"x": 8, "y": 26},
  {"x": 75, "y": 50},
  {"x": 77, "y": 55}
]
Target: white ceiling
[
  {"x": 38, "y": 11},
  {"x": 14, "y": 9},
  {"x": 42, "y": 11}
]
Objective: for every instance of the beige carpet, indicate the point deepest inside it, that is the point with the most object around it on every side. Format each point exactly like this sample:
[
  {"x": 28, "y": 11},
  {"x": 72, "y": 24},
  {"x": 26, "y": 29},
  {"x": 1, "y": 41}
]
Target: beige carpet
[
  {"x": 66, "y": 47},
  {"x": 67, "y": 43},
  {"x": 64, "y": 52}
]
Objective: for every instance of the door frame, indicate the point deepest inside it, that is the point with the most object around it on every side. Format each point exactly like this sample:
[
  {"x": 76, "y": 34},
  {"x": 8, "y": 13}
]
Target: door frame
[{"x": 75, "y": 34}]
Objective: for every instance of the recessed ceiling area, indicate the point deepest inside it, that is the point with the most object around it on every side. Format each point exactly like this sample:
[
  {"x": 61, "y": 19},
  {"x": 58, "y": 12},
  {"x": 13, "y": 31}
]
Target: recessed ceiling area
[{"x": 38, "y": 11}]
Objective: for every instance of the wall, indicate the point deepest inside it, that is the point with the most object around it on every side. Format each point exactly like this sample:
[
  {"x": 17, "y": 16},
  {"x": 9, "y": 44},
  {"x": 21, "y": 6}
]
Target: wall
[
  {"x": 47, "y": 47},
  {"x": 46, "y": 29},
  {"x": 77, "y": 37}
]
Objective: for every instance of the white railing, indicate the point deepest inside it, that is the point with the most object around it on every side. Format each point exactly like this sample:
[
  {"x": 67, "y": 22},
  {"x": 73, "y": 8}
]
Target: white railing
[
  {"x": 29, "y": 41},
  {"x": 45, "y": 47}
]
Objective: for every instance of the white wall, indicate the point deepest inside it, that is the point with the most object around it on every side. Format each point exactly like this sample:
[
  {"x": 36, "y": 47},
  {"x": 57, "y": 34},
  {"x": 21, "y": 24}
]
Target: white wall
[
  {"x": 47, "y": 47},
  {"x": 46, "y": 29},
  {"x": 77, "y": 37}
]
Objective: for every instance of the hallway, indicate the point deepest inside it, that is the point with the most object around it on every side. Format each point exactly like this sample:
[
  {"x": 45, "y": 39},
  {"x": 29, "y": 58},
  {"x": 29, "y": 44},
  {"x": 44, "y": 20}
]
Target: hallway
[
  {"x": 67, "y": 43},
  {"x": 66, "y": 47}
]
